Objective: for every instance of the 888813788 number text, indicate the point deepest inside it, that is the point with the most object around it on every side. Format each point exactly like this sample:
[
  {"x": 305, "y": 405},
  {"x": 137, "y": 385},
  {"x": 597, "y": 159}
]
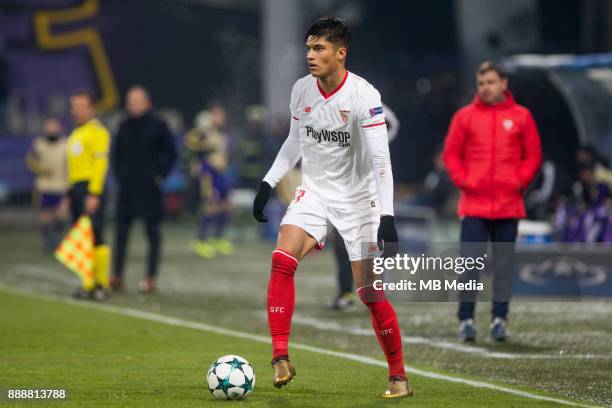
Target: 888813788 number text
[{"x": 34, "y": 394}]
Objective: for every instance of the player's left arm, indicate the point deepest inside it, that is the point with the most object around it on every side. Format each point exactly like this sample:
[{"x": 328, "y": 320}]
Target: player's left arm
[
  {"x": 531, "y": 153},
  {"x": 373, "y": 125}
]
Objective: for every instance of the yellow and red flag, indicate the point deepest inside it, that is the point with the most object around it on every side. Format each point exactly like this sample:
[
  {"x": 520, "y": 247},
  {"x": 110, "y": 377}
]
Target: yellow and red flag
[{"x": 76, "y": 251}]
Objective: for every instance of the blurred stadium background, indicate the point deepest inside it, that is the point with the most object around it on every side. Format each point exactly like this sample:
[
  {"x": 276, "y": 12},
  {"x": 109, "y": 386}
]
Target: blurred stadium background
[{"x": 244, "y": 55}]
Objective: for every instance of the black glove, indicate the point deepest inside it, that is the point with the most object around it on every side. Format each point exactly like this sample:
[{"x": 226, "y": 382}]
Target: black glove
[
  {"x": 387, "y": 236},
  {"x": 262, "y": 197}
]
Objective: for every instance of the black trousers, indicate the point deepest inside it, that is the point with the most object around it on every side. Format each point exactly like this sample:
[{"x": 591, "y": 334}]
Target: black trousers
[
  {"x": 122, "y": 231},
  {"x": 77, "y": 193},
  {"x": 475, "y": 233}
]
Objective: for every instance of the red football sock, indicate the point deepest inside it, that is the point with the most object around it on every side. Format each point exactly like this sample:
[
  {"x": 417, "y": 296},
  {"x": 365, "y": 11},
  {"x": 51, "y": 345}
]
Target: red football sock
[
  {"x": 386, "y": 327},
  {"x": 281, "y": 300}
]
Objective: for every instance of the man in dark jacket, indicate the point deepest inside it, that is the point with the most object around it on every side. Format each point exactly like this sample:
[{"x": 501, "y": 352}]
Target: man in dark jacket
[
  {"x": 492, "y": 152},
  {"x": 142, "y": 156}
]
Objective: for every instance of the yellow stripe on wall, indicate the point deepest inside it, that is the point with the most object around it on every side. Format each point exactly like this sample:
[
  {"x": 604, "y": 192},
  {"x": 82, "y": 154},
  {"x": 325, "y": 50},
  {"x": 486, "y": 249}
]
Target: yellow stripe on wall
[{"x": 44, "y": 19}]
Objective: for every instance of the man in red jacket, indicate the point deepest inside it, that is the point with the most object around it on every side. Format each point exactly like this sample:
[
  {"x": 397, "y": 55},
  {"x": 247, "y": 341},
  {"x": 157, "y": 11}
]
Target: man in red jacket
[{"x": 492, "y": 152}]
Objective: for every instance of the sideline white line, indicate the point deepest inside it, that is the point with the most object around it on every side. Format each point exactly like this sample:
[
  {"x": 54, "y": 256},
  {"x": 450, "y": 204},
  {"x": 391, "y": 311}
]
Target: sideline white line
[
  {"x": 264, "y": 339},
  {"x": 481, "y": 351}
]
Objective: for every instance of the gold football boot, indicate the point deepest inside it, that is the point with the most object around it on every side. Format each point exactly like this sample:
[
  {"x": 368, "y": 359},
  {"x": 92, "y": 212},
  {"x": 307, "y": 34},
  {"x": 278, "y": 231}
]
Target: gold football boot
[
  {"x": 398, "y": 388},
  {"x": 284, "y": 372}
]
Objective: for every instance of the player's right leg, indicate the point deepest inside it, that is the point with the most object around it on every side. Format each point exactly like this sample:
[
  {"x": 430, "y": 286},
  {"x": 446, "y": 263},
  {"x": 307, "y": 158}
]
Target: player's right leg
[
  {"x": 293, "y": 244},
  {"x": 303, "y": 228}
]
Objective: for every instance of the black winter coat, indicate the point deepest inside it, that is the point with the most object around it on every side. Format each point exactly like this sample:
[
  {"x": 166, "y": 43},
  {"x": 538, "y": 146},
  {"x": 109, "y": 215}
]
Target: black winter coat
[{"x": 142, "y": 156}]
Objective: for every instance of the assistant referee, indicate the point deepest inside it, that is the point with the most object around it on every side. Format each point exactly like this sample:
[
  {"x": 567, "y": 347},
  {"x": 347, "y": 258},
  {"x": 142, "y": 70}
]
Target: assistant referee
[{"x": 87, "y": 159}]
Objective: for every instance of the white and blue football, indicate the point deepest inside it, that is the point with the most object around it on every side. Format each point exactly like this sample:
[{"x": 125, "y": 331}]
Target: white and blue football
[{"x": 230, "y": 377}]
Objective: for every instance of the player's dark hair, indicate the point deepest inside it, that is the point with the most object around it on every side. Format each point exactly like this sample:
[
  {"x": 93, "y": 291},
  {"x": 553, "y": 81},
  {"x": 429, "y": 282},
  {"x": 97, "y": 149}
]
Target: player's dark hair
[
  {"x": 490, "y": 66},
  {"x": 84, "y": 92},
  {"x": 332, "y": 29}
]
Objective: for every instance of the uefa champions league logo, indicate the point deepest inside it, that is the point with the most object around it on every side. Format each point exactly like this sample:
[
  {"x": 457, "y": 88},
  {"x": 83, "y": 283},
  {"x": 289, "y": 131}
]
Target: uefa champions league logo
[{"x": 564, "y": 267}]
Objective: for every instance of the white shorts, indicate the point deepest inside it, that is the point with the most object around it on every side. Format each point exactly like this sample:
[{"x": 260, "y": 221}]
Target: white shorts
[{"x": 357, "y": 226}]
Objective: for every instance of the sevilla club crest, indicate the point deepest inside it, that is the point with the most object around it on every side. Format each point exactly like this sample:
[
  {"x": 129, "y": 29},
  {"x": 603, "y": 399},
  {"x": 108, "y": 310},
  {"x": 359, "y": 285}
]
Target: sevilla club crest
[
  {"x": 508, "y": 124},
  {"x": 344, "y": 115}
]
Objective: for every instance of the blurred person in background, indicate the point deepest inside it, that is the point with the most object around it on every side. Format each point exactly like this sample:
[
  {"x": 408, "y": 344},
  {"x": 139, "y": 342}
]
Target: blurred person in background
[
  {"x": 87, "y": 157},
  {"x": 586, "y": 216},
  {"x": 250, "y": 149},
  {"x": 191, "y": 157},
  {"x": 142, "y": 156},
  {"x": 492, "y": 153},
  {"x": 437, "y": 186},
  {"x": 47, "y": 160},
  {"x": 541, "y": 193},
  {"x": 588, "y": 157},
  {"x": 211, "y": 140}
]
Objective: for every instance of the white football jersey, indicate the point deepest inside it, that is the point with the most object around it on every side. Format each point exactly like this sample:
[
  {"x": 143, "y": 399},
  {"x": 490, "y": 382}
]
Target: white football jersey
[{"x": 335, "y": 163}]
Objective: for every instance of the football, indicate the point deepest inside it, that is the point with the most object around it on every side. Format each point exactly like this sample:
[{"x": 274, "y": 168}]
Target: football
[{"x": 230, "y": 377}]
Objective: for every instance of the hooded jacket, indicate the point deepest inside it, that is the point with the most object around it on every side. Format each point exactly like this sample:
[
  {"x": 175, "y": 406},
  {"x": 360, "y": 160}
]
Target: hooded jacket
[{"x": 492, "y": 153}]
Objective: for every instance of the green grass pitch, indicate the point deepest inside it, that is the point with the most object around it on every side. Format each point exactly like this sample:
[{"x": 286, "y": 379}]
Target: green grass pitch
[
  {"x": 105, "y": 359},
  {"x": 558, "y": 350}
]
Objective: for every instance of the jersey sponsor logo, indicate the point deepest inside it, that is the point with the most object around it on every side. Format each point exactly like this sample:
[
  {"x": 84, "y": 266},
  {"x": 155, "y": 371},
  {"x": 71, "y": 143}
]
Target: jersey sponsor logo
[
  {"x": 508, "y": 124},
  {"x": 308, "y": 109},
  {"x": 376, "y": 111},
  {"x": 334, "y": 136},
  {"x": 277, "y": 309},
  {"x": 344, "y": 115},
  {"x": 386, "y": 332}
]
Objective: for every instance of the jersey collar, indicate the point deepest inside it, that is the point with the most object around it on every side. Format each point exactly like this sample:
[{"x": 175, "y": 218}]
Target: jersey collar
[
  {"x": 326, "y": 95},
  {"x": 92, "y": 121}
]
